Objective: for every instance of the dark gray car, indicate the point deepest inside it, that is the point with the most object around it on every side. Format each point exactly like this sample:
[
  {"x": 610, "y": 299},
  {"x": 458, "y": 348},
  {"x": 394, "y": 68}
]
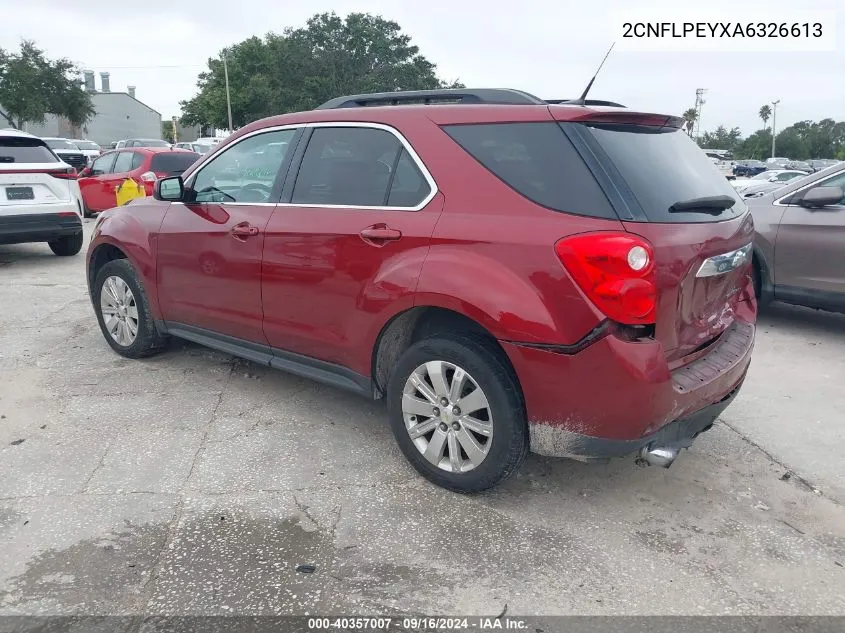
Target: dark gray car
[{"x": 799, "y": 241}]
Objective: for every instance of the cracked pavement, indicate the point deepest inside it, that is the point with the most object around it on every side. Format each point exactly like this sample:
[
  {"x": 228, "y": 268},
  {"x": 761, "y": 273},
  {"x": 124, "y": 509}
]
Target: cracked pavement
[{"x": 195, "y": 483}]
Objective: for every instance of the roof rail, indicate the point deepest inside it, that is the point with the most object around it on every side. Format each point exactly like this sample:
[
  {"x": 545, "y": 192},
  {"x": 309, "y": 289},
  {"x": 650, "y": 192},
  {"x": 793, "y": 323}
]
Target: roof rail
[
  {"x": 499, "y": 96},
  {"x": 588, "y": 102}
]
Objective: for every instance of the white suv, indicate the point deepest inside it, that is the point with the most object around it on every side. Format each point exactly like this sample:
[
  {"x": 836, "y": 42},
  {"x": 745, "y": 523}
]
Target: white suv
[{"x": 39, "y": 195}]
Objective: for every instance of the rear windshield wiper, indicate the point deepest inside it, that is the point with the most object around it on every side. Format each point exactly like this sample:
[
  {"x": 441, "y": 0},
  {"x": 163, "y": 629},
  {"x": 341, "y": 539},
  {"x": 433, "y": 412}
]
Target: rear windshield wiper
[{"x": 706, "y": 204}]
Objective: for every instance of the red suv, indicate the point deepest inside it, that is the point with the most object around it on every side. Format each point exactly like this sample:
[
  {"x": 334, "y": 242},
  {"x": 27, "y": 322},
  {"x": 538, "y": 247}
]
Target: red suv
[{"x": 508, "y": 273}]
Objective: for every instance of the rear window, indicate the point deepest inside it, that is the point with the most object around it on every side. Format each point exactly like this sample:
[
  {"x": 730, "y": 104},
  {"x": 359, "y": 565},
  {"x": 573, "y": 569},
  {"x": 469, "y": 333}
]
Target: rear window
[
  {"x": 662, "y": 167},
  {"x": 174, "y": 163},
  {"x": 538, "y": 161},
  {"x": 25, "y": 150}
]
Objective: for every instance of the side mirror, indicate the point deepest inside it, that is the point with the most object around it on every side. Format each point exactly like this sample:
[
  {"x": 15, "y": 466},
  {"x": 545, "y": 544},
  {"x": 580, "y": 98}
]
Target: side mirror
[
  {"x": 773, "y": 179},
  {"x": 84, "y": 173},
  {"x": 169, "y": 189},
  {"x": 822, "y": 196}
]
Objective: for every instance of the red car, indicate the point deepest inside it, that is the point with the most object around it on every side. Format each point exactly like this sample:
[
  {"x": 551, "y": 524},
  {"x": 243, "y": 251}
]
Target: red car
[
  {"x": 508, "y": 274},
  {"x": 99, "y": 182}
]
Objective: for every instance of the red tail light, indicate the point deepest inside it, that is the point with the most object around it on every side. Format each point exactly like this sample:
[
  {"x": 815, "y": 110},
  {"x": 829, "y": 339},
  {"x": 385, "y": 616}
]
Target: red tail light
[
  {"x": 148, "y": 176},
  {"x": 64, "y": 174},
  {"x": 615, "y": 271}
]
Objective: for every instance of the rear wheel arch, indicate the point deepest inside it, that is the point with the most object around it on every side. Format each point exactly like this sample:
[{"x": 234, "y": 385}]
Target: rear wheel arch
[{"x": 421, "y": 322}]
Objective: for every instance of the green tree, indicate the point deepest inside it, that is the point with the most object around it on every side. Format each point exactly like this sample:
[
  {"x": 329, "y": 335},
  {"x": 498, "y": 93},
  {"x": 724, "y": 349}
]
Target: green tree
[
  {"x": 32, "y": 86},
  {"x": 757, "y": 146},
  {"x": 721, "y": 138},
  {"x": 167, "y": 131},
  {"x": 690, "y": 116},
  {"x": 765, "y": 114},
  {"x": 304, "y": 67}
]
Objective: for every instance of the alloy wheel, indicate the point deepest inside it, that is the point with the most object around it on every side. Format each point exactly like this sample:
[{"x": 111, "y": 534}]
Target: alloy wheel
[
  {"x": 448, "y": 417},
  {"x": 119, "y": 310}
]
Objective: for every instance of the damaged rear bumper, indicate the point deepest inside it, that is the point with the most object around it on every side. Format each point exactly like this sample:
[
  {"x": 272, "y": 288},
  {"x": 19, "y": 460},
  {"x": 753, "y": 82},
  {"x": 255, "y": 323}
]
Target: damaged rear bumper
[
  {"x": 617, "y": 397},
  {"x": 558, "y": 442}
]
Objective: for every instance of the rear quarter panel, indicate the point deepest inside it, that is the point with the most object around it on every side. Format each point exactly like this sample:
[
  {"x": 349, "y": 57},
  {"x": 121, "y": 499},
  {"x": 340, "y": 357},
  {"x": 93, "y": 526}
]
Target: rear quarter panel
[{"x": 492, "y": 254}]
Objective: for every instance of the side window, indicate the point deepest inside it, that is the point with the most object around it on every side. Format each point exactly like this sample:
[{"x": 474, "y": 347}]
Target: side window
[
  {"x": 123, "y": 163},
  {"x": 409, "y": 187},
  {"x": 835, "y": 181},
  {"x": 103, "y": 165},
  {"x": 244, "y": 172},
  {"x": 137, "y": 160},
  {"x": 349, "y": 166}
]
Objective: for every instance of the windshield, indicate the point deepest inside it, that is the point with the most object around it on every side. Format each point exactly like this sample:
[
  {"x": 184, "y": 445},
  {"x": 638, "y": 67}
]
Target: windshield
[
  {"x": 60, "y": 143},
  {"x": 663, "y": 167},
  {"x": 87, "y": 145},
  {"x": 764, "y": 175},
  {"x": 24, "y": 150}
]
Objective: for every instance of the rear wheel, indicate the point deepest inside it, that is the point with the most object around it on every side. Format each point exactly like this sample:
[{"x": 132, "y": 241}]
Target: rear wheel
[
  {"x": 123, "y": 311},
  {"x": 86, "y": 212},
  {"x": 456, "y": 412},
  {"x": 68, "y": 245}
]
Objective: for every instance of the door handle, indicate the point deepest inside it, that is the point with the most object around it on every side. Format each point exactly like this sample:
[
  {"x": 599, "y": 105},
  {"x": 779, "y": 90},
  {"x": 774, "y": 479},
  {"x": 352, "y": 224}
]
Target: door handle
[
  {"x": 379, "y": 234},
  {"x": 244, "y": 230}
]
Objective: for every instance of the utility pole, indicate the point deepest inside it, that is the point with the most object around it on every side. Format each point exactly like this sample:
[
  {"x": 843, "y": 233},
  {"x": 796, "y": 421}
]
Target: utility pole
[
  {"x": 774, "y": 124},
  {"x": 699, "y": 101},
  {"x": 228, "y": 98}
]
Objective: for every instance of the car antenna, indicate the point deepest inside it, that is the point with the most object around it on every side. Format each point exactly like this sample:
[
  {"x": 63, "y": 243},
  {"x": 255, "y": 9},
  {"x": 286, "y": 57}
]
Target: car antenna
[{"x": 582, "y": 100}]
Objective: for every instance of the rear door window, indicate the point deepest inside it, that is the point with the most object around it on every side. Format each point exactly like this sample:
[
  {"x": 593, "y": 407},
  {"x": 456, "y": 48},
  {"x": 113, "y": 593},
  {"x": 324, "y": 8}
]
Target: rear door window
[
  {"x": 352, "y": 166},
  {"x": 14, "y": 149},
  {"x": 137, "y": 160},
  {"x": 659, "y": 167},
  {"x": 538, "y": 161}
]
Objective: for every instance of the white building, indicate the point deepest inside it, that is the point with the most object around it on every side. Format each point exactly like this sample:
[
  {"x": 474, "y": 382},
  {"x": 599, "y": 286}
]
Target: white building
[{"x": 118, "y": 115}]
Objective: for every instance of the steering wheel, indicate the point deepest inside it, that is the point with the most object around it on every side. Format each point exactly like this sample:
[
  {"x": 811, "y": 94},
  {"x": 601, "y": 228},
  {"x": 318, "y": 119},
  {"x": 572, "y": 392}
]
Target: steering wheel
[{"x": 259, "y": 187}]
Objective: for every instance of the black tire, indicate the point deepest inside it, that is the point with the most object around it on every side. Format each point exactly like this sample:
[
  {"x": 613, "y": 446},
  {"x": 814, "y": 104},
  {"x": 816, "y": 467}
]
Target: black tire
[
  {"x": 478, "y": 357},
  {"x": 758, "y": 282},
  {"x": 147, "y": 340},
  {"x": 68, "y": 245},
  {"x": 86, "y": 212}
]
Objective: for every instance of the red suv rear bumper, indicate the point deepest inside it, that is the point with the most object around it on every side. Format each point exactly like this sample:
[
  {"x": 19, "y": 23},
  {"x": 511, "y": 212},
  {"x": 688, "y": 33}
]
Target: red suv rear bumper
[{"x": 616, "y": 397}]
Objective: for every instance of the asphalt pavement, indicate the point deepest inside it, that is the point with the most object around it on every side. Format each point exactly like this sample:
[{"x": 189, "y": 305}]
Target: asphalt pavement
[{"x": 195, "y": 483}]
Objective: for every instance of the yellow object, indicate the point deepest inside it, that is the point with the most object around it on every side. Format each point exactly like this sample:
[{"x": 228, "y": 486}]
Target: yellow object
[{"x": 128, "y": 190}]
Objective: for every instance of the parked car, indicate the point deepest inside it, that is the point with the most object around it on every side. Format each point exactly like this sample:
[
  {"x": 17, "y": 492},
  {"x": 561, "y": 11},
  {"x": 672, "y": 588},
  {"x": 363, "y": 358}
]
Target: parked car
[
  {"x": 799, "y": 165},
  {"x": 432, "y": 255},
  {"x": 755, "y": 191},
  {"x": 772, "y": 175},
  {"x": 776, "y": 162},
  {"x": 208, "y": 140},
  {"x": 39, "y": 197},
  {"x": 89, "y": 148},
  {"x": 748, "y": 168},
  {"x": 99, "y": 182},
  {"x": 145, "y": 142},
  {"x": 193, "y": 146},
  {"x": 68, "y": 152},
  {"x": 799, "y": 239},
  {"x": 823, "y": 163}
]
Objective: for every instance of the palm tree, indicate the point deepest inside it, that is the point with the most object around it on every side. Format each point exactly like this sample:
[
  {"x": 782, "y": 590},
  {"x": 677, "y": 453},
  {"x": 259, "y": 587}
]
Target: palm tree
[
  {"x": 765, "y": 114},
  {"x": 690, "y": 117}
]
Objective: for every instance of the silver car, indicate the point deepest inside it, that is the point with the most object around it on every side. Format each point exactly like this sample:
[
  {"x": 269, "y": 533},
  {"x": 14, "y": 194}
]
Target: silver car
[{"x": 800, "y": 235}]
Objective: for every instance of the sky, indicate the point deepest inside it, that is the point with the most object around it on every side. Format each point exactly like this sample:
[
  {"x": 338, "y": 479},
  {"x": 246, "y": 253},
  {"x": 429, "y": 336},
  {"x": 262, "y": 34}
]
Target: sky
[{"x": 549, "y": 48}]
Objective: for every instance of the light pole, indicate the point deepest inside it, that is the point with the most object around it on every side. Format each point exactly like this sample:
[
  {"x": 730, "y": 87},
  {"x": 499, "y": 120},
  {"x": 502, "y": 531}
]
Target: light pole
[
  {"x": 774, "y": 124},
  {"x": 228, "y": 99}
]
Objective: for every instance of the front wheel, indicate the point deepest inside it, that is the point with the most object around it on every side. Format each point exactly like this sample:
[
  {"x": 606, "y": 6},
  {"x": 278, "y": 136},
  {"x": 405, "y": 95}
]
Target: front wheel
[
  {"x": 123, "y": 311},
  {"x": 457, "y": 413},
  {"x": 68, "y": 245}
]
